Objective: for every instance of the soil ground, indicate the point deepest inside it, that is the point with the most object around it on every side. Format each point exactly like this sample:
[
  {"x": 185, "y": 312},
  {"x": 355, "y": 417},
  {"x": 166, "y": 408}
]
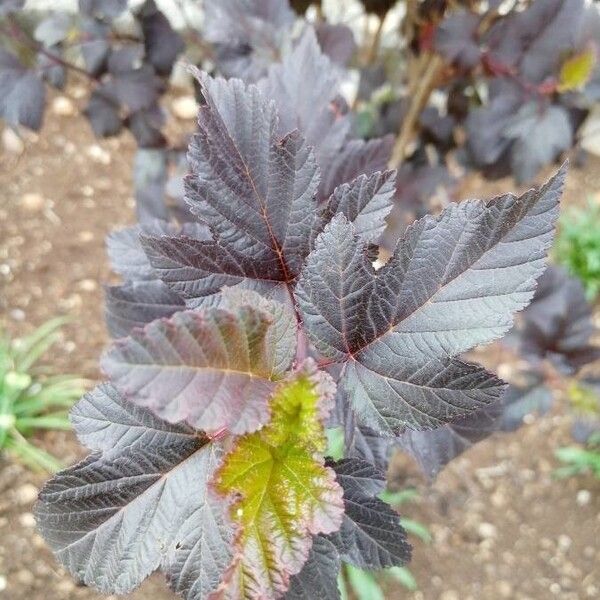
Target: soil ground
[{"x": 502, "y": 526}]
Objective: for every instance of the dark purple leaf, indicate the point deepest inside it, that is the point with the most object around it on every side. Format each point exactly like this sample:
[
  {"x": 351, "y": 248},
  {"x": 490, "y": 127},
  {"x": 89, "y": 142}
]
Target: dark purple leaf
[
  {"x": 127, "y": 257},
  {"x": 370, "y": 447},
  {"x": 365, "y": 202},
  {"x": 22, "y": 93},
  {"x": 149, "y": 179},
  {"x": 104, "y": 421},
  {"x": 102, "y": 9},
  {"x": 371, "y": 536},
  {"x": 318, "y": 578},
  {"x": 275, "y": 179},
  {"x": 146, "y": 124},
  {"x": 451, "y": 284},
  {"x": 357, "y": 157},
  {"x": 434, "y": 449},
  {"x": 137, "y": 303},
  {"x": 336, "y": 41},
  {"x": 417, "y": 183},
  {"x": 121, "y": 514},
  {"x": 456, "y": 38},
  {"x": 486, "y": 125},
  {"x": 534, "y": 41},
  {"x": 103, "y": 113},
  {"x": 136, "y": 89},
  {"x": 197, "y": 270},
  {"x": 163, "y": 44},
  {"x": 95, "y": 53},
  {"x": 53, "y": 29},
  {"x": 540, "y": 134},
  {"x": 558, "y": 323},
  {"x": 52, "y": 71},
  {"x": 123, "y": 59},
  {"x": 247, "y": 35},
  {"x": 437, "y": 128},
  {"x": 522, "y": 400},
  {"x": 312, "y": 109}
]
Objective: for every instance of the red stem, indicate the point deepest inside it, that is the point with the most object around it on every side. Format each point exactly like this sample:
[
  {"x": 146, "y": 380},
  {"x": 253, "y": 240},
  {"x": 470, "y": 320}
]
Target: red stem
[{"x": 16, "y": 32}]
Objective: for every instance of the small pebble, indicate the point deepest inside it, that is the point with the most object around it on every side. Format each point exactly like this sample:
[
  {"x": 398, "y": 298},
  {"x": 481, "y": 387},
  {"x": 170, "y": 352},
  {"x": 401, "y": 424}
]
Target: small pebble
[
  {"x": 3, "y": 583},
  {"x": 564, "y": 542},
  {"x": 16, "y": 314},
  {"x": 25, "y": 578},
  {"x": 26, "y": 494},
  {"x": 87, "y": 191},
  {"x": 11, "y": 142},
  {"x": 63, "y": 107},
  {"x": 97, "y": 154},
  {"x": 32, "y": 201},
  {"x": 583, "y": 497},
  {"x": 487, "y": 531},
  {"x": 27, "y": 520},
  {"x": 449, "y": 595},
  {"x": 505, "y": 589},
  {"x": 85, "y": 236},
  {"x": 185, "y": 107},
  {"x": 88, "y": 285}
]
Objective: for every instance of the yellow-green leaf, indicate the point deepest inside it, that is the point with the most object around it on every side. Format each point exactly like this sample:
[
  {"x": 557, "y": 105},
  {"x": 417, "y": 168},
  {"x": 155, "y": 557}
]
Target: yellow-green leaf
[
  {"x": 577, "y": 70},
  {"x": 286, "y": 493}
]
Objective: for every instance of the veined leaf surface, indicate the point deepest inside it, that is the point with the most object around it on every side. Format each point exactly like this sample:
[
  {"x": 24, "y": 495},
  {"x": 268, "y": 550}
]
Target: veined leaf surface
[
  {"x": 453, "y": 282},
  {"x": 286, "y": 492},
  {"x": 141, "y": 504},
  {"x": 213, "y": 369}
]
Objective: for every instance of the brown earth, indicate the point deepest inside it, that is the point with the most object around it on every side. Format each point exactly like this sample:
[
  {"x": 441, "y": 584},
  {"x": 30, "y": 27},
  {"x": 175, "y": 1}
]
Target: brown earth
[{"x": 502, "y": 527}]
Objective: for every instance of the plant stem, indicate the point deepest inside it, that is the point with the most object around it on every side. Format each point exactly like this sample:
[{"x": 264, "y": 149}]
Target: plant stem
[
  {"x": 375, "y": 42},
  {"x": 16, "y": 32},
  {"x": 423, "y": 83}
]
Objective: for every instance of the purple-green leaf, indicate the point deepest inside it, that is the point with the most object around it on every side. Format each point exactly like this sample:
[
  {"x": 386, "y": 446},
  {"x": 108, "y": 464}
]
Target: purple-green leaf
[{"x": 214, "y": 369}]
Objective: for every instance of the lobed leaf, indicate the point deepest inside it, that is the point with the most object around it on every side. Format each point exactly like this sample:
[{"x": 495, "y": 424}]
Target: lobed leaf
[
  {"x": 357, "y": 157},
  {"x": 214, "y": 369},
  {"x": 456, "y": 38},
  {"x": 118, "y": 516},
  {"x": 247, "y": 34},
  {"x": 558, "y": 323},
  {"x": 22, "y": 93},
  {"x": 286, "y": 493},
  {"x": 236, "y": 158},
  {"x": 371, "y": 535},
  {"x": 162, "y": 43},
  {"x": 539, "y": 135},
  {"x": 319, "y": 575},
  {"x": 433, "y": 450},
  {"x": 365, "y": 202},
  {"x": 453, "y": 282},
  {"x": 312, "y": 109}
]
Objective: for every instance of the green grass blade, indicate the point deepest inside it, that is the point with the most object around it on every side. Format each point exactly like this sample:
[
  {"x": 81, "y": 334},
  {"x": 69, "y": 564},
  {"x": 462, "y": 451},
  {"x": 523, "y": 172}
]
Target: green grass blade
[
  {"x": 363, "y": 584},
  {"x": 29, "y": 349},
  {"x": 45, "y": 422},
  {"x": 417, "y": 529},
  {"x": 404, "y": 577},
  {"x": 32, "y": 456},
  {"x": 399, "y": 497}
]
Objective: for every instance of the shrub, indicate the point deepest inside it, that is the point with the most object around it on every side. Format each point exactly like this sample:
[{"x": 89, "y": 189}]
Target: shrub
[{"x": 260, "y": 323}]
